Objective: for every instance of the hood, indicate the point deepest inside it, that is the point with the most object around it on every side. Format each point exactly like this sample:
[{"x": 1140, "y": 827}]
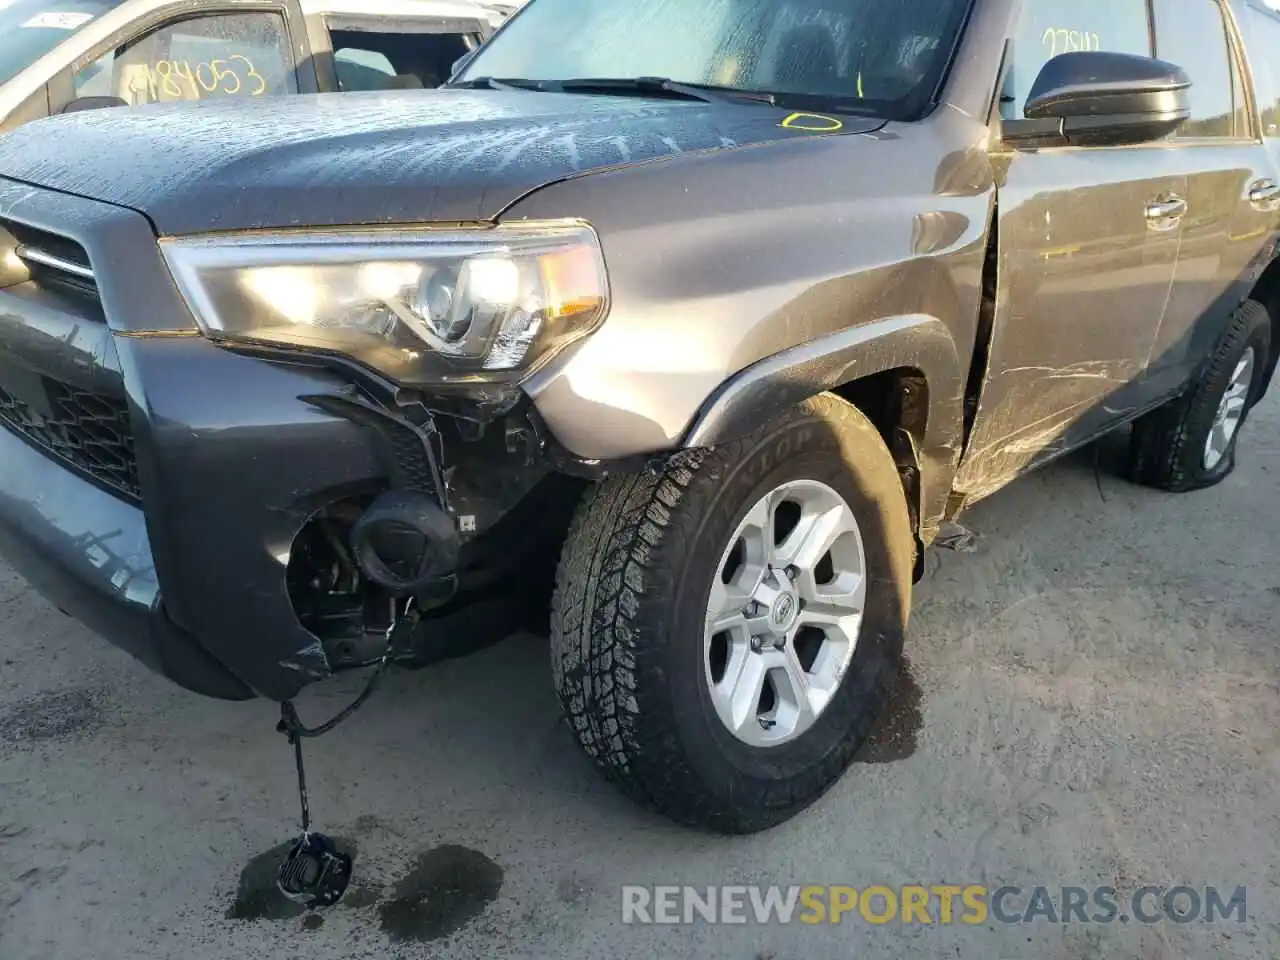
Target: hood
[{"x": 365, "y": 158}]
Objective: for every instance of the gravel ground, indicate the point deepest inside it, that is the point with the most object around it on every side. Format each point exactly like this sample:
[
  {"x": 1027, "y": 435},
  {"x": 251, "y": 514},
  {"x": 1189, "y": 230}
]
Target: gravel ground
[{"x": 1093, "y": 700}]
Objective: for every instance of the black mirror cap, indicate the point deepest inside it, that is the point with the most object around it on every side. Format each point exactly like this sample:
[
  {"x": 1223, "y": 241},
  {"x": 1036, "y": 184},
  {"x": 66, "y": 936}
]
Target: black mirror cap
[
  {"x": 93, "y": 103},
  {"x": 1098, "y": 83},
  {"x": 1098, "y": 99}
]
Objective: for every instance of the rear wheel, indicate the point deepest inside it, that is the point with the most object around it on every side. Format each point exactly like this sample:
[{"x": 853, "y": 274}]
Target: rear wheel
[
  {"x": 1190, "y": 443},
  {"x": 726, "y": 630}
]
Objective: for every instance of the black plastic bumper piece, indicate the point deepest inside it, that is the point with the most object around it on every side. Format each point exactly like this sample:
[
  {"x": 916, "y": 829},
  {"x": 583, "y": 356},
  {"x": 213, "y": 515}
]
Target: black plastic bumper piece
[{"x": 87, "y": 552}]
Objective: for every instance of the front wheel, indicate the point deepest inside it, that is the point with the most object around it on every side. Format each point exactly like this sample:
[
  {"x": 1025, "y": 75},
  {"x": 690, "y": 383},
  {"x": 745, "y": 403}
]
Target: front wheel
[{"x": 726, "y": 630}]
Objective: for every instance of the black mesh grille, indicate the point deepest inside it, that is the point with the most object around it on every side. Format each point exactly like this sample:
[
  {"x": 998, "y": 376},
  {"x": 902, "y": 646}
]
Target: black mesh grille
[{"x": 89, "y": 431}]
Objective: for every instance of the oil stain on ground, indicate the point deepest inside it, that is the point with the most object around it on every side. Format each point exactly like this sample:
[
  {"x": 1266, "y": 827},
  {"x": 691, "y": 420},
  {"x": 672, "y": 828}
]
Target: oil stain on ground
[
  {"x": 896, "y": 734},
  {"x": 258, "y": 897},
  {"x": 447, "y": 888}
]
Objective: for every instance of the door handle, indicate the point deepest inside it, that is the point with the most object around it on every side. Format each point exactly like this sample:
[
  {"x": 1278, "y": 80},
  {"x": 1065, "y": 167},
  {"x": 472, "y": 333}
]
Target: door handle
[
  {"x": 1165, "y": 214},
  {"x": 1264, "y": 194}
]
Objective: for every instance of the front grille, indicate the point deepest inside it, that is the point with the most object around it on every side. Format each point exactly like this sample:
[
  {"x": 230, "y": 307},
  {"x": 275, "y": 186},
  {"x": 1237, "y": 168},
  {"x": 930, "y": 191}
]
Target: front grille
[
  {"x": 54, "y": 261},
  {"x": 88, "y": 431}
]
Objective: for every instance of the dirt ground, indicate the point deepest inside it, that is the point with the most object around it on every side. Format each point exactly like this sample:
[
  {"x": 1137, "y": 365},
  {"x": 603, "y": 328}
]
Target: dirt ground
[{"x": 1094, "y": 699}]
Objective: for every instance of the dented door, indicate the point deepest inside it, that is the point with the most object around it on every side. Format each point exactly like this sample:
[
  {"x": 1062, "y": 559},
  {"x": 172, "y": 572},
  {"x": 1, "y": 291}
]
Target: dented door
[{"x": 1088, "y": 244}]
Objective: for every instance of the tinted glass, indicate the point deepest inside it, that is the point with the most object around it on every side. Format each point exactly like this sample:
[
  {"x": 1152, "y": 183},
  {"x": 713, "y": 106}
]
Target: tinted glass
[
  {"x": 883, "y": 57},
  {"x": 1193, "y": 34},
  {"x": 359, "y": 69},
  {"x": 1051, "y": 27},
  {"x": 228, "y": 55},
  {"x": 1265, "y": 29},
  {"x": 374, "y": 59},
  {"x": 31, "y": 28}
]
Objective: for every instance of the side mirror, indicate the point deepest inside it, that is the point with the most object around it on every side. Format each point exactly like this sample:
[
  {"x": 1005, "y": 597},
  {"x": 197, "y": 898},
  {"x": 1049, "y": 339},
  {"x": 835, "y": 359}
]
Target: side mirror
[
  {"x": 1101, "y": 99},
  {"x": 93, "y": 103},
  {"x": 461, "y": 63}
]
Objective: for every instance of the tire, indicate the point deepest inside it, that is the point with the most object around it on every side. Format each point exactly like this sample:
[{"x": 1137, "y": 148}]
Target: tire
[
  {"x": 630, "y": 660},
  {"x": 1168, "y": 446}
]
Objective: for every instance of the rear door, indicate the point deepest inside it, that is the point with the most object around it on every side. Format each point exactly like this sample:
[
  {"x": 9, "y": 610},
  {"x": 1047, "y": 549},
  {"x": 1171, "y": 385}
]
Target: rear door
[
  {"x": 1233, "y": 196},
  {"x": 1088, "y": 243}
]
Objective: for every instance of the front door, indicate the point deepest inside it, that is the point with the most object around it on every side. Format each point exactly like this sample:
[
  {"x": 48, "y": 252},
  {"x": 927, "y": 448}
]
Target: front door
[
  {"x": 192, "y": 52},
  {"x": 1088, "y": 245}
]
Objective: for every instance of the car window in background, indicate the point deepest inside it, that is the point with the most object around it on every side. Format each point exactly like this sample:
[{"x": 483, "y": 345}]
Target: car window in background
[
  {"x": 1265, "y": 28},
  {"x": 201, "y": 58},
  {"x": 881, "y": 57},
  {"x": 373, "y": 59},
  {"x": 1049, "y": 28},
  {"x": 1193, "y": 34},
  {"x": 31, "y": 28},
  {"x": 362, "y": 69}
]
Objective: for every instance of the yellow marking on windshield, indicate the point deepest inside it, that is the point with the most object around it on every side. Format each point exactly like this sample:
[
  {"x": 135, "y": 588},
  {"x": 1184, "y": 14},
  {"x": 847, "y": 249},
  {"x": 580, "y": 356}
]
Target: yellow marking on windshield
[{"x": 813, "y": 122}]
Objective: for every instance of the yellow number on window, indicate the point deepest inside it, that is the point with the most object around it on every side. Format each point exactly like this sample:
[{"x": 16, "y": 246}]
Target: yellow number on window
[{"x": 253, "y": 75}]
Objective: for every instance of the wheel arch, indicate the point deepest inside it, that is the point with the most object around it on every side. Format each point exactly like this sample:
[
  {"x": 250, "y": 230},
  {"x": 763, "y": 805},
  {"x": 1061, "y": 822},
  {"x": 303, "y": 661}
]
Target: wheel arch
[
  {"x": 1267, "y": 292},
  {"x": 904, "y": 373}
]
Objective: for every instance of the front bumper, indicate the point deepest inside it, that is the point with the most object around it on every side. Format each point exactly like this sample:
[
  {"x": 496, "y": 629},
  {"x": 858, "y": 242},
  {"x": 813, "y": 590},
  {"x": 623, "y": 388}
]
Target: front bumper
[
  {"x": 88, "y": 552},
  {"x": 166, "y": 527}
]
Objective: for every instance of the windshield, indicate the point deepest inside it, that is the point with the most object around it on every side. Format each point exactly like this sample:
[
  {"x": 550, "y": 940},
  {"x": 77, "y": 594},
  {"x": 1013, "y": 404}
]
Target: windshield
[
  {"x": 31, "y": 28},
  {"x": 867, "y": 55}
]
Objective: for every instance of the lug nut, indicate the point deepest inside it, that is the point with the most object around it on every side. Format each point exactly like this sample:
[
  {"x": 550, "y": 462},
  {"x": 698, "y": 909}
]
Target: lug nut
[
  {"x": 766, "y": 723},
  {"x": 756, "y": 644}
]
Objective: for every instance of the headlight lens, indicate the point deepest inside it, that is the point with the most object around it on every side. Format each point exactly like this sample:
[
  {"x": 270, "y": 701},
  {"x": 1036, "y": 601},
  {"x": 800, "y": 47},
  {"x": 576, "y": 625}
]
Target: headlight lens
[{"x": 429, "y": 307}]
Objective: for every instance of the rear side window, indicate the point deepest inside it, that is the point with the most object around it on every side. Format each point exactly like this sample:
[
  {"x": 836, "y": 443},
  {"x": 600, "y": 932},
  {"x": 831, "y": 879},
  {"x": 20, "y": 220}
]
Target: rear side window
[
  {"x": 1048, "y": 28},
  {"x": 1266, "y": 68},
  {"x": 1193, "y": 34}
]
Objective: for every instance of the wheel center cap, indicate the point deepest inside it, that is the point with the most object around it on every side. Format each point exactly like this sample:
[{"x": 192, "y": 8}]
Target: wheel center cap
[{"x": 785, "y": 610}]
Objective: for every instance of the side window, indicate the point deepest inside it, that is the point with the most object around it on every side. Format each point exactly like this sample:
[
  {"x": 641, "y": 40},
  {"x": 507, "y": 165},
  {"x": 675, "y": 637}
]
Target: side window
[
  {"x": 362, "y": 69},
  {"x": 376, "y": 60},
  {"x": 1193, "y": 34},
  {"x": 201, "y": 58},
  {"x": 1052, "y": 27},
  {"x": 1266, "y": 39}
]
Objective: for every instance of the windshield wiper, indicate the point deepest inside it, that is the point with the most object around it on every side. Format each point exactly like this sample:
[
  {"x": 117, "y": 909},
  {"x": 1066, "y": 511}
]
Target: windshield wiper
[
  {"x": 707, "y": 93},
  {"x": 651, "y": 86},
  {"x": 496, "y": 83}
]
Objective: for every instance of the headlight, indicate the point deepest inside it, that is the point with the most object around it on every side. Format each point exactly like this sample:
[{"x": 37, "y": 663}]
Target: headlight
[{"x": 429, "y": 306}]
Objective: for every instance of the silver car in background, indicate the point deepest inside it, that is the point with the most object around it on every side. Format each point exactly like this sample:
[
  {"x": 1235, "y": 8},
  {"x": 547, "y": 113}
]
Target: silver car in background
[{"x": 58, "y": 56}]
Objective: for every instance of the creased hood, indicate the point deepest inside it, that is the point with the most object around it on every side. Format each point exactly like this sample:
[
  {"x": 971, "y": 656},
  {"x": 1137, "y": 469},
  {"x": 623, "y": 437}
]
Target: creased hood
[{"x": 364, "y": 158}]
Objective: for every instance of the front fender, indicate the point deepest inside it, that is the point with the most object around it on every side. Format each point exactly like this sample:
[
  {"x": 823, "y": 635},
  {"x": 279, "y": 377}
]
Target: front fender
[{"x": 777, "y": 383}]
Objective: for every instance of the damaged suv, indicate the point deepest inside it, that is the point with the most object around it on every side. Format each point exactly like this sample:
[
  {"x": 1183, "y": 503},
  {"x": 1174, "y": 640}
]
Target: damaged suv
[{"x": 723, "y": 306}]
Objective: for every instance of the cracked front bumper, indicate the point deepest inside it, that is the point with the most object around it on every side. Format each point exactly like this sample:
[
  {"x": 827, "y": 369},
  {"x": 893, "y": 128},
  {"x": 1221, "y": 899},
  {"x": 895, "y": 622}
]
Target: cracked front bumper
[{"x": 152, "y": 483}]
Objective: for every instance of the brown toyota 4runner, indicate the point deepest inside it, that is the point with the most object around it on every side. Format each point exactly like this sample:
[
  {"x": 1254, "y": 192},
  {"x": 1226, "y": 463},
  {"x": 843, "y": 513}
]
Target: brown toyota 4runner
[{"x": 728, "y": 304}]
